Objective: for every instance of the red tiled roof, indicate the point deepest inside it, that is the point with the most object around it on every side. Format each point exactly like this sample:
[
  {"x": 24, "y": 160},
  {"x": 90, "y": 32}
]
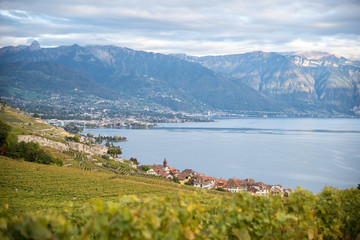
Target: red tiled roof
[
  {"x": 253, "y": 190},
  {"x": 234, "y": 182},
  {"x": 183, "y": 176},
  {"x": 221, "y": 183},
  {"x": 188, "y": 171},
  {"x": 203, "y": 179}
]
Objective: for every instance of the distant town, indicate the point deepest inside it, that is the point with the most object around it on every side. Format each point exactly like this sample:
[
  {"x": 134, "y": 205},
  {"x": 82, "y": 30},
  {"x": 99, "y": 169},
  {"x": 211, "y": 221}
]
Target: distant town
[{"x": 233, "y": 185}]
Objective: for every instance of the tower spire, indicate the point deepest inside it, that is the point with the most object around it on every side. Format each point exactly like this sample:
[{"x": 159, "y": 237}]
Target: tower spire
[{"x": 165, "y": 163}]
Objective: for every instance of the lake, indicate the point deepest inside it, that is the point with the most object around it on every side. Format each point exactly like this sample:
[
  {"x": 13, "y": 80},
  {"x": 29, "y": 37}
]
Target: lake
[{"x": 310, "y": 153}]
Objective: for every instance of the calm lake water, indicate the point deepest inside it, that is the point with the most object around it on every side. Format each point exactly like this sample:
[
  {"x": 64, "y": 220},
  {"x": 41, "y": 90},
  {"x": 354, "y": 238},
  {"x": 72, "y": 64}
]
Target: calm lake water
[{"x": 310, "y": 153}]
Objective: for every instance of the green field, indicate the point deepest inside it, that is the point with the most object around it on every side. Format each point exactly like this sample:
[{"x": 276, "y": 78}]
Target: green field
[{"x": 29, "y": 186}]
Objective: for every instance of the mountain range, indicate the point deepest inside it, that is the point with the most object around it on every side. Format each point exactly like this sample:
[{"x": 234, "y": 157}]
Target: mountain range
[{"x": 300, "y": 82}]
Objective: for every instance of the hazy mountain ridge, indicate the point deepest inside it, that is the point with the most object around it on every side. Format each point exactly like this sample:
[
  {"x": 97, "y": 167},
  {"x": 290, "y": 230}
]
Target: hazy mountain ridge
[
  {"x": 256, "y": 81},
  {"x": 151, "y": 77},
  {"x": 322, "y": 81}
]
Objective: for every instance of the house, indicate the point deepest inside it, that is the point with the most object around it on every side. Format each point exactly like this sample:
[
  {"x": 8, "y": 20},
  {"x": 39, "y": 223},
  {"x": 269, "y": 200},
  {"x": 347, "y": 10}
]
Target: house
[
  {"x": 164, "y": 170},
  {"x": 168, "y": 176},
  {"x": 261, "y": 188},
  {"x": 203, "y": 181},
  {"x": 220, "y": 183},
  {"x": 186, "y": 175},
  {"x": 174, "y": 171},
  {"x": 287, "y": 192},
  {"x": 277, "y": 189},
  {"x": 235, "y": 185},
  {"x": 151, "y": 171},
  {"x": 250, "y": 181},
  {"x": 254, "y": 190},
  {"x": 159, "y": 170}
]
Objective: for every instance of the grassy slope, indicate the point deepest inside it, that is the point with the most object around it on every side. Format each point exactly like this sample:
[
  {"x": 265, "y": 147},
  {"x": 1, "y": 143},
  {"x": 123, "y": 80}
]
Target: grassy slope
[
  {"x": 22, "y": 123},
  {"x": 29, "y": 186}
]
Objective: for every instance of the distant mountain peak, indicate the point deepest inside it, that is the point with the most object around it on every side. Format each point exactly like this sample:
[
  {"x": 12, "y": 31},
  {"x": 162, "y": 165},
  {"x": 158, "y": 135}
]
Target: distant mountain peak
[
  {"x": 35, "y": 46},
  {"x": 312, "y": 54}
]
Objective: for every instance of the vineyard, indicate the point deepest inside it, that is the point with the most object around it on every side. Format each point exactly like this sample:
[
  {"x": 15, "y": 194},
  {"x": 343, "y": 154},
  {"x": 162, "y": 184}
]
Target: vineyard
[
  {"x": 332, "y": 214},
  {"x": 29, "y": 186},
  {"x": 49, "y": 202}
]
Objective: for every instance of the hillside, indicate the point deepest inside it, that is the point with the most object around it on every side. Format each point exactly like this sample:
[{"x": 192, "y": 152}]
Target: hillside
[
  {"x": 27, "y": 186},
  {"x": 305, "y": 80},
  {"x": 22, "y": 123},
  {"x": 123, "y": 78}
]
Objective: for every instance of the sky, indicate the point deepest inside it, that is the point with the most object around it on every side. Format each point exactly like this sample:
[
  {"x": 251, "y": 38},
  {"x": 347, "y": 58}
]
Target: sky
[{"x": 194, "y": 27}]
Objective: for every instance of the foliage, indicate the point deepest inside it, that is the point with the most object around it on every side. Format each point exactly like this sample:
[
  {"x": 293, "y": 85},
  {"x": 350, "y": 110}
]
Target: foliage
[
  {"x": 89, "y": 135},
  {"x": 4, "y": 132},
  {"x": 109, "y": 139},
  {"x": 31, "y": 151},
  {"x": 114, "y": 151},
  {"x": 196, "y": 216},
  {"x": 220, "y": 189},
  {"x": 175, "y": 180},
  {"x": 145, "y": 168},
  {"x": 190, "y": 182},
  {"x": 75, "y": 138},
  {"x": 73, "y": 128},
  {"x": 134, "y": 160}
]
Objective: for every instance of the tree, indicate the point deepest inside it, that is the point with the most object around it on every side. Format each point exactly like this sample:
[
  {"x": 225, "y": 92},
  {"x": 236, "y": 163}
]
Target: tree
[
  {"x": 99, "y": 139},
  {"x": 145, "y": 168},
  {"x": 36, "y": 115},
  {"x": 90, "y": 135},
  {"x": 176, "y": 180},
  {"x": 73, "y": 128},
  {"x": 134, "y": 160},
  {"x": 3, "y": 105},
  {"x": 4, "y": 132},
  {"x": 77, "y": 138},
  {"x": 190, "y": 182},
  {"x": 114, "y": 151},
  {"x": 116, "y": 137}
]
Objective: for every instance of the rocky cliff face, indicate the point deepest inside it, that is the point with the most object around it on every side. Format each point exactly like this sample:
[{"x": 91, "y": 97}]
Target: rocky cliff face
[
  {"x": 304, "y": 80},
  {"x": 92, "y": 150}
]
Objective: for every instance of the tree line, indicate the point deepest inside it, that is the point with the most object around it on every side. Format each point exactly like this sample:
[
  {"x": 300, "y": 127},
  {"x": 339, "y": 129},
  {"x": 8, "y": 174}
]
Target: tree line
[{"x": 31, "y": 151}]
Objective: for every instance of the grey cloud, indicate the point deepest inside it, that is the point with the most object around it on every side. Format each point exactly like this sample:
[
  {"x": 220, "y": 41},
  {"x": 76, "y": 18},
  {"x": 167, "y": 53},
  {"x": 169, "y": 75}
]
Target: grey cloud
[{"x": 267, "y": 24}]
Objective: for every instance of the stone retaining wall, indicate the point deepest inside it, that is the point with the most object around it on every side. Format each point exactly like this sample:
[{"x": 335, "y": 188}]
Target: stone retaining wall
[{"x": 92, "y": 150}]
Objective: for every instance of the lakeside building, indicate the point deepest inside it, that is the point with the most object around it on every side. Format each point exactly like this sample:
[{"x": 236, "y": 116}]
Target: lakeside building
[{"x": 232, "y": 185}]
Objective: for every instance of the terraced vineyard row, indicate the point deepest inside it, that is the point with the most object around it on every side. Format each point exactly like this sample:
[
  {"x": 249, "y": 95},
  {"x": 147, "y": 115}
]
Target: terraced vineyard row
[{"x": 29, "y": 186}]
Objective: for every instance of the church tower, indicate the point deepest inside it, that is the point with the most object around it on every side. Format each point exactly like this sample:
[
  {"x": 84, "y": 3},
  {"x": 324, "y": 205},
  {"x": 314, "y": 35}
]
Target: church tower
[{"x": 165, "y": 163}]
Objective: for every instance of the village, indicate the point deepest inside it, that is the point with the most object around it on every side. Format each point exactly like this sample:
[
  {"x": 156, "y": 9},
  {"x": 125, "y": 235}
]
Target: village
[{"x": 233, "y": 185}]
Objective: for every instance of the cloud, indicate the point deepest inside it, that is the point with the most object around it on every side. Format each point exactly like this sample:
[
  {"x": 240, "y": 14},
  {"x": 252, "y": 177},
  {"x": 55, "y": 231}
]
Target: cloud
[{"x": 194, "y": 27}]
